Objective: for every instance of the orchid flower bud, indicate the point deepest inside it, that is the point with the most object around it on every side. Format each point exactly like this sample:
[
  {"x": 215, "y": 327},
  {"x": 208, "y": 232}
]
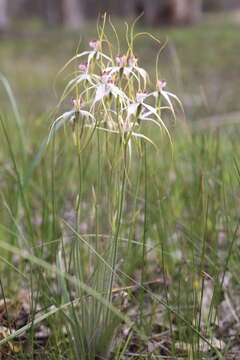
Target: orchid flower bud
[
  {"x": 132, "y": 61},
  {"x": 160, "y": 85},
  {"x": 121, "y": 60},
  {"x": 84, "y": 67},
  {"x": 106, "y": 77},
  {"x": 141, "y": 96},
  {"x": 77, "y": 104},
  {"x": 94, "y": 44}
]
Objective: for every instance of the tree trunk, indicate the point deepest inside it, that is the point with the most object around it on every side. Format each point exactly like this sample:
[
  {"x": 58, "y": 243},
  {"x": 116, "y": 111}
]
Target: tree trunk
[
  {"x": 72, "y": 13},
  {"x": 127, "y": 8},
  {"x": 91, "y": 8},
  {"x": 195, "y": 10},
  {"x": 51, "y": 11},
  {"x": 186, "y": 11},
  {"x": 4, "y": 20},
  {"x": 151, "y": 10}
]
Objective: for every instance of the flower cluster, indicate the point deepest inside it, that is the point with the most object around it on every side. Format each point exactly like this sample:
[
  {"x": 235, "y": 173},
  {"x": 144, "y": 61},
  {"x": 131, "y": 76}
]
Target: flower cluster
[{"x": 111, "y": 94}]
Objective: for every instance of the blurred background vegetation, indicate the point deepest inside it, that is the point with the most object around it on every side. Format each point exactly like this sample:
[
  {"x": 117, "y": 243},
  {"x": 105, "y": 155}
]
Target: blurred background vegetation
[
  {"x": 200, "y": 59},
  {"x": 73, "y": 13}
]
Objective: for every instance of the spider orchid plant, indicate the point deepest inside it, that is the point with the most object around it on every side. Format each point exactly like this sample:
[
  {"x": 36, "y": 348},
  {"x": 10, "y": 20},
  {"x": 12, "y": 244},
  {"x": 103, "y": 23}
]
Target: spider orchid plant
[
  {"x": 108, "y": 95},
  {"x": 111, "y": 95}
]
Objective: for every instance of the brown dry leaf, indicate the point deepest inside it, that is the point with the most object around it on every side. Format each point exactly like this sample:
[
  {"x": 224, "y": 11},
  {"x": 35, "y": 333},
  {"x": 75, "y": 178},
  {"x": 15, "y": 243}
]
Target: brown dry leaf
[
  {"x": 204, "y": 347},
  {"x": 5, "y": 332}
]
